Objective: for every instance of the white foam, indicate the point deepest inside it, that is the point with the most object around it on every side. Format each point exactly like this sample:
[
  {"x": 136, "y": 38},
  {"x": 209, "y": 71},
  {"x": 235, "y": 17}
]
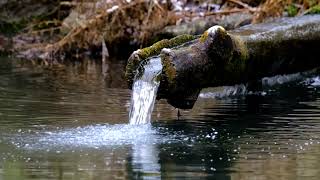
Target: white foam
[
  {"x": 281, "y": 79},
  {"x": 95, "y": 136},
  {"x": 225, "y": 91},
  {"x": 314, "y": 81}
]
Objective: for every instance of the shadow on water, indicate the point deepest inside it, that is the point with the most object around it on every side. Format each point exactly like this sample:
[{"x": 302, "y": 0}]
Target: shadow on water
[
  {"x": 70, "y": 122},
  {"x": 249, "y": 128}
]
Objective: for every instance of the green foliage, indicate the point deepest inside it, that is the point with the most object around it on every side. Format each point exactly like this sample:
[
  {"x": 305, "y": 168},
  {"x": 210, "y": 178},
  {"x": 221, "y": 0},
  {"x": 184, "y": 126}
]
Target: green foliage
[
  {"x": 292, "y": 10},
  {"x": 314, "y": 10},
  {"x": 12, "y": 27}
]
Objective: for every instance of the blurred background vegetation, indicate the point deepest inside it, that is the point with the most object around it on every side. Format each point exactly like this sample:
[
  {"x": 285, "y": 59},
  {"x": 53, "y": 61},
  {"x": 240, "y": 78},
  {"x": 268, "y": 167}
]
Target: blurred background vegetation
[{"x": 48, "y": 29}]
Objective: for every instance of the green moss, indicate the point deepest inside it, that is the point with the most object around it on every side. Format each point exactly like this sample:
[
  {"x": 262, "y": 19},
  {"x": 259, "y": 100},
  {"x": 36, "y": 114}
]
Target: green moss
[
  {"x": 240, "y": 46},
  {"x": 204, "y": 37},
  {"x": 153, "y": 50},
  {"x": 168, "y": 69},
  {"x": 314, "y": 10},
  {"x": 156, "y": 48},
  {"x": 12, "y": 27},
  {"x": 137, "y": 57},
  {"x": 292, "y": 10}
]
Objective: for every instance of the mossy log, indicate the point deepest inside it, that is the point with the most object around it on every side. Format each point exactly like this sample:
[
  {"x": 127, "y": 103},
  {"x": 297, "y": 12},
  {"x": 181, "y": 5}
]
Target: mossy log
[{"x": 247, "y": 54}]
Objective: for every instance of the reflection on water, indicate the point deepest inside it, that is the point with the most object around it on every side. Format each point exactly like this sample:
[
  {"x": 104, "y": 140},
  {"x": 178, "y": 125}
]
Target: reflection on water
[{"x": 71, "y": 123}]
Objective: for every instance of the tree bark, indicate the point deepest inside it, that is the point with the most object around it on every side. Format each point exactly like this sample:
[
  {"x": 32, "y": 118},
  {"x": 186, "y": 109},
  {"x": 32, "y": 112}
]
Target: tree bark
[{"x": 219, "y": 58}]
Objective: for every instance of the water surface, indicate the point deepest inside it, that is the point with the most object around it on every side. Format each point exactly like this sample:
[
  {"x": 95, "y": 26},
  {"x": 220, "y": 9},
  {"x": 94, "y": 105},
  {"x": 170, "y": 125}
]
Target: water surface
[{"x": 71, "y": 122}]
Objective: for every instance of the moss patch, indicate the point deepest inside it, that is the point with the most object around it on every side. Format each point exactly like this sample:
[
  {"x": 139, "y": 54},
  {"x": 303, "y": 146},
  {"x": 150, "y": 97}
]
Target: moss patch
[
  {"x": 156, "y": 48},
  {"x": 204, "y": 37},
  {"x": 314, "y": 10},
  {"x": 138, "y": 56},
  {"x": 292, "y": 10},
  {"x": 168, "y": 69}
]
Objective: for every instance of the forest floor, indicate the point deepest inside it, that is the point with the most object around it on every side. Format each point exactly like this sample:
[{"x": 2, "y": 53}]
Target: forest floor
[{"x": 41, "y": 29}]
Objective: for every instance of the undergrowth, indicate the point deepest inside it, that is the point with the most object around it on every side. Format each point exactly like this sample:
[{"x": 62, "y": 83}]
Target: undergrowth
[{"x": 89, "y": 24}]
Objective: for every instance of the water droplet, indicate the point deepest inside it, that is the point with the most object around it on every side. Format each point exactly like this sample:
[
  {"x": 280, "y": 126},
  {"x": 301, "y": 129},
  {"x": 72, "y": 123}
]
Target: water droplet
[{"x": 213, "y": 169}]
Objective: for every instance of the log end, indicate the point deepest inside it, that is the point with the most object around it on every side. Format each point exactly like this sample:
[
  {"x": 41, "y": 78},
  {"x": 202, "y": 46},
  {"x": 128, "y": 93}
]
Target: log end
[{"x": 142, "y": 54}]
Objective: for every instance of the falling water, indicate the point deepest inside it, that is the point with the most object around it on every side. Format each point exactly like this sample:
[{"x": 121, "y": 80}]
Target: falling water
[{"x": 144, "y": 92}]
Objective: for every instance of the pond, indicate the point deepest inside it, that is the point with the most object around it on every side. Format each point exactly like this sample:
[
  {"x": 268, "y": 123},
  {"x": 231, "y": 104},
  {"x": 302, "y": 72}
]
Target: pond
[{"x": 71, "y": 122}]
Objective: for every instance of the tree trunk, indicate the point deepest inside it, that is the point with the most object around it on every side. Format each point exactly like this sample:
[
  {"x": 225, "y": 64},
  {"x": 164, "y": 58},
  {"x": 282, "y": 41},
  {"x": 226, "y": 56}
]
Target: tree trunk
[{"x": 219, "y": 58}]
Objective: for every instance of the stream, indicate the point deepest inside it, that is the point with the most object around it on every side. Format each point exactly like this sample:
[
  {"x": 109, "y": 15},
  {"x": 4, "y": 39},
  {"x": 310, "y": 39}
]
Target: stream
[{"x": 71, "y": 122}]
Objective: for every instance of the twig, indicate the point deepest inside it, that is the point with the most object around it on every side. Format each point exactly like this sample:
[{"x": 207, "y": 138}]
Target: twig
[
  {"x": 73, "y": 3},
  {"x": 235, "y": 10},
  {"x": 251, "y": 9},
  {"x": 78, "y": 30}
]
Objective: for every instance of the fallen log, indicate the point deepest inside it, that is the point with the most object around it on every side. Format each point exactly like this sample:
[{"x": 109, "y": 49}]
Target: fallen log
[{"x": 218, "y": 57}]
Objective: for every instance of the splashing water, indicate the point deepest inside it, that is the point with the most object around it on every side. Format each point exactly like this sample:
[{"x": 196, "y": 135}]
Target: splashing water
[
  {"x": 144, "y": 92},
  {"x": 224, "y": 91},
  {"x": 267, "y": 82}
]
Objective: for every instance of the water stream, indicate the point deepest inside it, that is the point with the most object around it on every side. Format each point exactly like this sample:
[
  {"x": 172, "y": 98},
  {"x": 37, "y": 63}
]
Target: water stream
[
  {"x": 72, "y": 123},
  {"x": 144, "y": 92}
]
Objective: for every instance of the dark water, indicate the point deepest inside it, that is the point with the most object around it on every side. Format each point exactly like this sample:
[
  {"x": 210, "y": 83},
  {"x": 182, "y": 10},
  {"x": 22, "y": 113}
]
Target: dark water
[{"x": 70, "y": 122}]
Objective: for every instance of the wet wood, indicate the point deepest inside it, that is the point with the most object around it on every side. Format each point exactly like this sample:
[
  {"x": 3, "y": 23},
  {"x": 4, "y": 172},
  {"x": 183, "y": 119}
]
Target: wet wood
[{"x": 220, "y": 58}]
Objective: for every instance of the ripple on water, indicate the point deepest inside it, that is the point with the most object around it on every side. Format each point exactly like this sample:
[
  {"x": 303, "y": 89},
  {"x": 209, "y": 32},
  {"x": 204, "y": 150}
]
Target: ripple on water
[{"x": 94, "y": 136}]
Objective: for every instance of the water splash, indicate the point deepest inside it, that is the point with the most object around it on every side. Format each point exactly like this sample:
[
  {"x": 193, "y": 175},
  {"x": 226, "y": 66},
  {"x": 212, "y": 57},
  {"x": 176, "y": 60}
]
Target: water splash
[
  {"x": 312, "y": 82},
  {"x": 266, "y": 82},
  {"x": 225, "y": 91},
  {"x": 144, "y": 92},
  {"x": 282, "y": 79},
  {"x": 98, "y": 136}
]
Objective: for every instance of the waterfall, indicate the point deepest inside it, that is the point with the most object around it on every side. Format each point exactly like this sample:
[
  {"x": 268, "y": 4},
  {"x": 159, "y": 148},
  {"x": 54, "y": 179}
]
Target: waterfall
[{"x": 144, "y": 91}]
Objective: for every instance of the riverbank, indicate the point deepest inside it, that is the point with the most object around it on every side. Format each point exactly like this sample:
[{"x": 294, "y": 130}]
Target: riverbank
[{"x": 55, "y": 31}]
